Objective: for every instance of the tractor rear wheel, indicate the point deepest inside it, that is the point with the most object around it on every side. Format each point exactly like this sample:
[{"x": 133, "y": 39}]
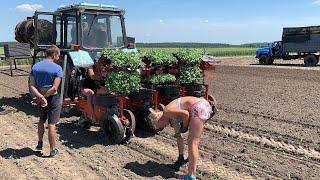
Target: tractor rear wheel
[
  {"x": 212, "y": 99},
  {"x": 161, "y": 107},
  {"x": 265, "y": 60},
  {"x": 113, "y": 128},
  {"x": 129, "y": 129},
  {"x": 310, "y": 60}
]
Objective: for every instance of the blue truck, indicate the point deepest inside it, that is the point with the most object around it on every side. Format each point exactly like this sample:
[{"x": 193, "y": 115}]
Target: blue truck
[{"x": 297, "y": 43}]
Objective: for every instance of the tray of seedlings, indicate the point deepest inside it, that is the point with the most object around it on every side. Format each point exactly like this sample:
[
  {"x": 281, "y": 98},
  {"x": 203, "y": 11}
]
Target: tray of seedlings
[
  {"x": 191, "y": 75},
  {"x": 121, "y": 76},
  {"x": 158, "y": 87}
]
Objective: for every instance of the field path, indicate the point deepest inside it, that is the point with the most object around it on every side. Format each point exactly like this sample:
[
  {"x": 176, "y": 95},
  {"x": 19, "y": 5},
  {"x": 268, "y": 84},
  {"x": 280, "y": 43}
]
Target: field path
[
  {"x": 83, "y": 154},
  {"x": 267, "y": 128}
]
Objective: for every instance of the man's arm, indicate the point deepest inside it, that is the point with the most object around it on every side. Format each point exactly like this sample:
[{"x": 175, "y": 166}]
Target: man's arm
[
  {"x": 36, "y": 92},
  {"x": 54, "y": 89},
  {"x": 33, "y": 87}
]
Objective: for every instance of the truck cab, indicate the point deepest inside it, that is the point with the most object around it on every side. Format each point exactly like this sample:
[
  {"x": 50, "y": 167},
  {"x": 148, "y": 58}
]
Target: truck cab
[{"x": 267, "y": 55}]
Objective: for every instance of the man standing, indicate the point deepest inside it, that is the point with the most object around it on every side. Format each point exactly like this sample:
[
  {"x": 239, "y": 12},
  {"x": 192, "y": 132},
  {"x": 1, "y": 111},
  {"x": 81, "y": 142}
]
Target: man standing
[{"x": 45, "y": 79}]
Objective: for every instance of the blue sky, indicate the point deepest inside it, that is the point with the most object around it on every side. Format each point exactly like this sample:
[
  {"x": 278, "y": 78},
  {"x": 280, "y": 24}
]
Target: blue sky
[{"x": 213, "y": 21}]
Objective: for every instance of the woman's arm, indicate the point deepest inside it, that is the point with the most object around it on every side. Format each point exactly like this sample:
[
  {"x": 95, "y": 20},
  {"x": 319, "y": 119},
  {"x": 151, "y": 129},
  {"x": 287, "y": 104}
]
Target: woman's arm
[
  {"x": 94, "y": 75},
  {"x": 173, "y": 113}
]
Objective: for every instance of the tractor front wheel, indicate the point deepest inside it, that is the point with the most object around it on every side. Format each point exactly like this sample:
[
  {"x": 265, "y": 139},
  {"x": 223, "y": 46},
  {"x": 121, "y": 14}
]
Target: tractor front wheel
[{"x": 113, "y": 128}]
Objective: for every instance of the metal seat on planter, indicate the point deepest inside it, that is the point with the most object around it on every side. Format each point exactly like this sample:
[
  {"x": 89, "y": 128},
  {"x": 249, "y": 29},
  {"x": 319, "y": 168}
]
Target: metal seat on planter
[{"x": 17, "y": 51}]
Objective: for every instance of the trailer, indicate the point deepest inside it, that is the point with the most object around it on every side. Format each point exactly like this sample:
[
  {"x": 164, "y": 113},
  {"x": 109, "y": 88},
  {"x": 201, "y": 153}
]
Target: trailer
[{"x": 297, "y": 43}]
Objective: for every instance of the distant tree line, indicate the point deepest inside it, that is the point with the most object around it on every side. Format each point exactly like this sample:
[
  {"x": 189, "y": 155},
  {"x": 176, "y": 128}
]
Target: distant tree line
[
  {"x": 198, "y": 45},
  {"x": 186, "y": 45},
  {"x": 8, "y": 42}
]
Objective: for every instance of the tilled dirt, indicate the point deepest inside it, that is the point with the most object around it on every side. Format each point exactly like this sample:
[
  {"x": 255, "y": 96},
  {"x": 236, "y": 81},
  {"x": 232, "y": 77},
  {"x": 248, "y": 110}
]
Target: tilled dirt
[{"x": 278, "y": 103}]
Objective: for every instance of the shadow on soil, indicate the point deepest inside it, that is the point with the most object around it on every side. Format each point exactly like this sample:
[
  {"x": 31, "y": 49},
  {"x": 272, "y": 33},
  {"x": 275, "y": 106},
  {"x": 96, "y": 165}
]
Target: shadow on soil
[
  {"x": 21, "y": 103},
  {"x": 10, "y": 153},
  {"x": 74, "y": 136},
  {"x": 151, "y": 169},
  {"x": 143, "y": 133}
]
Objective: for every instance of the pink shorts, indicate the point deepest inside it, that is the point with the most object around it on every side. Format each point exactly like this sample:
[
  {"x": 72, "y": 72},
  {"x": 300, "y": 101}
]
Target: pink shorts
[{"x": 201, "y": 110}]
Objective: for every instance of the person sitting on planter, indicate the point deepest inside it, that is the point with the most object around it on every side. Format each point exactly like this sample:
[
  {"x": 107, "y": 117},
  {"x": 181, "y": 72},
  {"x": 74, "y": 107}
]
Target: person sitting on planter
[
  {"x": 89, "y": 87},
  {"x": 186, "y": 113}
]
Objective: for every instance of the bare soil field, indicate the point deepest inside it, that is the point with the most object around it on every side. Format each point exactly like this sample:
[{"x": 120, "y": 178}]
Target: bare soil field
[{"x": 267, "y": 128}]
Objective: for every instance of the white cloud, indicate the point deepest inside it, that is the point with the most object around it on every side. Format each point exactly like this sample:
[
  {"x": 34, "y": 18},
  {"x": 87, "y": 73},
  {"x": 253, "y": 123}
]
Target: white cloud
[
  {"x": 317, "y": 2},
  {"x": 204, "y": 21},
  {"x": 62, "y": 5},
  {"x": 161, "y": 20},
  {"x": 29, "y": 7}
]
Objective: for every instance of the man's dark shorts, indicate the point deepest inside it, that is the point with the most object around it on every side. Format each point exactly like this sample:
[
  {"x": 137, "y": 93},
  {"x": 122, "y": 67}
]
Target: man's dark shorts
[{"x": 52, "y": 111}]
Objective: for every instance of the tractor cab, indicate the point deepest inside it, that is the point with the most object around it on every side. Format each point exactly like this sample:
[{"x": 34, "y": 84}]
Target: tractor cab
[
  {"x": 81, "y": 31},
  {"x": 90, "y": 27}
]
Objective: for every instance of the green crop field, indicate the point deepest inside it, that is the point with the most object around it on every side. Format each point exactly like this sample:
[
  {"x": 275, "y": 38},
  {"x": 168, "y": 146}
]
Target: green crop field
[
  {"x": 20, "y": 62},
  {"x": 217, "y": 52}
]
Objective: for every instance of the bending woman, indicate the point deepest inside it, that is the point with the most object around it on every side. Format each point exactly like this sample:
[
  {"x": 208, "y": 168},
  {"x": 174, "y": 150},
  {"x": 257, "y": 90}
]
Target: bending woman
[{"x": 186, "y": 113}]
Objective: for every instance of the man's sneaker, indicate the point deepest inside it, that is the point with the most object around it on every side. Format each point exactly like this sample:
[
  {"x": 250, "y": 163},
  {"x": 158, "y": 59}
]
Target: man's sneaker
[
  {"x": 180, "y": 163},
  {"x": 39, "y": 146},
  {"x": 54, "y": 152}
]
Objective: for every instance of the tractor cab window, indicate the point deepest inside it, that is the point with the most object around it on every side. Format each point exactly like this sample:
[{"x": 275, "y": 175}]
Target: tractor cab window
[
  {"x": 46, "y": 32},
  {"x": 58, "y": 30},
  {"x": 71, "y": 29},
  {"x": 101, "y": 31}
]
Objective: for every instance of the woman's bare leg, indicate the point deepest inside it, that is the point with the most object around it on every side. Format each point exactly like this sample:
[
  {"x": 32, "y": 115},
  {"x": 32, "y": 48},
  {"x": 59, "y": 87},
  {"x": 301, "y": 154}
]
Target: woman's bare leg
[
  {"x": 89, "y": 93},
  {"x": 195, "y": 130}
]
